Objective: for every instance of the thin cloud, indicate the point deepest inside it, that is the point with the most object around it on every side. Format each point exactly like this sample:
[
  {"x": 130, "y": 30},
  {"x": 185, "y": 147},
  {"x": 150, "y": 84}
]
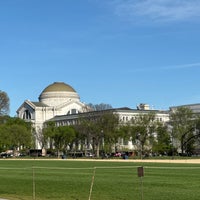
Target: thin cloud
[
  {"x": 158, "y": 10},
  {"x": 184, "y": 66},
  {"x": 163, "y": 68}
]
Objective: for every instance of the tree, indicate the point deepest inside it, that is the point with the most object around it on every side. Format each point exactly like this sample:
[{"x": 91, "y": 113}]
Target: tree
[
  {"x": 99, "y": 107},
  {"x": 58, "y": 137},
  {"x": 163, "y": 144},
  {"x": 83, "y": 135},
  {"x": 38, "y": 137},
  {"x": 79, "y": 141},
  {"x": 142, "y": 128},
  {"x": 20, "y": 137},
  {"x": 4, "y": 119},
  {"x": 63, "y": 137},
  {"x": 48, "y": 132},
  {"x": 4, "y": 140},
  {"x": 93, "y": 132},
  {"x": 4, "y": 103},
  {"x": 99, "y": 128},
  {"x": 183, "y": 123},
  {"x": 15, "y": 134},
  {"x": 109, "y": 123}
]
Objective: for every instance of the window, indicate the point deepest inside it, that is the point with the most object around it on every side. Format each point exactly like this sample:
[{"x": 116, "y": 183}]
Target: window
[
  {"x": 26, "y": 114},
  {"x": 72, "y": 111}
]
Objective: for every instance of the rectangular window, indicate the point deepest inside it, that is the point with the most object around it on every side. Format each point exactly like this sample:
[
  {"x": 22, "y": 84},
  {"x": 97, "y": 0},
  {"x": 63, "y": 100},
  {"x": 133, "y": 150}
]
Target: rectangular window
[{"x": 73, "y": 111}]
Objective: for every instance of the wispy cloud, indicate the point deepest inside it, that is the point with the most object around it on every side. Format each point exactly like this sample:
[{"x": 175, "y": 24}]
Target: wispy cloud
[
  {"x": 184, "y": 66},
  {"x": 167, "y": 68},
  {"x": 158, "y": 10}
]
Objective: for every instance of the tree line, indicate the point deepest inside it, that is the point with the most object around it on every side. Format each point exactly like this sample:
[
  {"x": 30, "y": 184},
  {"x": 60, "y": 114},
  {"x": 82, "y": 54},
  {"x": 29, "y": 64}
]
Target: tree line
[
  {"x": 15, "y": 134},
  {"x": 104, "y": 132}
]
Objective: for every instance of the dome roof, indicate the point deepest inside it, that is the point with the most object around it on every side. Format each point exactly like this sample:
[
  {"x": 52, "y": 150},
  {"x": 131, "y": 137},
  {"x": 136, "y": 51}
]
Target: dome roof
[
  {"x": 58, "y": 87},
  {"x": 58, "y": 93}
]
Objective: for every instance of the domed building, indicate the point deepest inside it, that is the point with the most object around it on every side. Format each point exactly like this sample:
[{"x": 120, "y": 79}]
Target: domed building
[
  {"x": 60, "y": 103},
  {"x": 56, "y": 99},
  {"x": 58, "y": 93}
]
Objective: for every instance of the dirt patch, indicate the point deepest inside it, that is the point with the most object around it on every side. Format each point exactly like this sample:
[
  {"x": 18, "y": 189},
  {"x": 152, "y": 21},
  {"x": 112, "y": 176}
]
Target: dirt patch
[{"x": 184, "y": 161}]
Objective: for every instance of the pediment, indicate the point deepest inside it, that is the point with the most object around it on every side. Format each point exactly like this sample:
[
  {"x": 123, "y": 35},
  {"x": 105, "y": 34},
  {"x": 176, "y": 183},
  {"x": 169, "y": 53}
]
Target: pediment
[
  {"x": 72, "y": 102},
  {"x": 27, "y": 105}
]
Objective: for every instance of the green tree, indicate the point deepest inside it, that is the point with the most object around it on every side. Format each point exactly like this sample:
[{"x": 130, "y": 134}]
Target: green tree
[
  {"x": 162, "y": 144},
  {"x": 48, "y": 132},
  {"x": 15, "y": 134},
  {"x": 79, "y": 141},
  {"x": 93, "y": 133},
  {"x": 58, "y": 138},
  {"x": 4, "y": 103},
  {"x": 4, "y": 119},
  {"x": 20, "y": 137},
  {"x": 109, "y": 124},
  {"x": 4, "y": 140},
  {"x": 183, "y": 123},
  {"x": 63, "y": 137},
  {"x": 98, "y": 129},
  {"x": 142, "y": 128},
  {"x": 83, "y": 133}
]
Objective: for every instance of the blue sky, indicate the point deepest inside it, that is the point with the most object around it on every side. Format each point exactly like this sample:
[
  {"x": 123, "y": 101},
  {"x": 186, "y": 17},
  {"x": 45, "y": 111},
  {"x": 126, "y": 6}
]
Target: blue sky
[{"x": 119, "y": 52}]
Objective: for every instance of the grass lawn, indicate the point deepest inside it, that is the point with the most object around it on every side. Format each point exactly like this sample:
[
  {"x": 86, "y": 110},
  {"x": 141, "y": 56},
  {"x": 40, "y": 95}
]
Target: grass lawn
[{"x": 71, "y": 180}]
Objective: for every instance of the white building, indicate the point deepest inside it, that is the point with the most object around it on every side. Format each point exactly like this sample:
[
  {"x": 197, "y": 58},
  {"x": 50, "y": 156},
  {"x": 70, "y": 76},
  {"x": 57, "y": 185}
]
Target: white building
[
  {"x": 125, "y": 116},
  {"x": 56, "y": 99},
  {"x": 195, "y": 108},
  {"x": 60, "y": 103}
]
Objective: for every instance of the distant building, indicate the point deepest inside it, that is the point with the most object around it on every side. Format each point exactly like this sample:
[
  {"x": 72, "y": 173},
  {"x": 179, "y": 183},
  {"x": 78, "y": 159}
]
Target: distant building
[
  {"x": 59, "y": 102},
  {"x": 125, "y": 116},
  {"x": 194, "y": 107}
]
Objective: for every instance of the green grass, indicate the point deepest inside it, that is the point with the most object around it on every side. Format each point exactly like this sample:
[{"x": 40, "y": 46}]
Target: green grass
[{"x": 71, "y": 180}]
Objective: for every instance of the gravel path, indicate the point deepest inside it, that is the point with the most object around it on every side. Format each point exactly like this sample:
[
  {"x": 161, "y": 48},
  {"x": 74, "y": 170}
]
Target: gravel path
[
  {"x": 189, "y": 161},
  {"x": 184, "y": 161}
]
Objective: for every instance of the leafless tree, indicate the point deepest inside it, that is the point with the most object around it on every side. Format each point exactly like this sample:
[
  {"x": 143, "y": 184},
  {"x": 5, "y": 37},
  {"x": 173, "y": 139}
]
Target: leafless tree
[
  {"x": 4, "y": 103},
  {"x": 99, "y": 107}
]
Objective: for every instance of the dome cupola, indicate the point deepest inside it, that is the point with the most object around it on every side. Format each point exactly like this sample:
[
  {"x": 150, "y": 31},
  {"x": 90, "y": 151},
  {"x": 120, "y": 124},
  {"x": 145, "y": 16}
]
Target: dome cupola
[{"x": 58, "y": 93}]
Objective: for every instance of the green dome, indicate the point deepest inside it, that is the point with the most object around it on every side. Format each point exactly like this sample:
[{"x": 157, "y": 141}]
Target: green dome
[{"x": 58, "y": 87}]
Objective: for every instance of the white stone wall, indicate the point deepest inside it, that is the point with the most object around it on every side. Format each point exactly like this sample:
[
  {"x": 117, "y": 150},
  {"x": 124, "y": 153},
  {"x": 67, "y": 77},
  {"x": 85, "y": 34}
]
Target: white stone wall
[
  {"x": 57, "y": 98},
  {"x": 55, "y": 103}
]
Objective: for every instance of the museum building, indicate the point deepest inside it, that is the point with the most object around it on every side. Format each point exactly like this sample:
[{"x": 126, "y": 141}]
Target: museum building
[
  {"x": 60, "y": 102},
  {"x": 56, "y": 99}
]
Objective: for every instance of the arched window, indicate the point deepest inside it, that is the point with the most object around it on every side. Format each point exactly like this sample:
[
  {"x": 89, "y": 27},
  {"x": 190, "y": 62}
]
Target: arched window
[{"x": 27, "y": 114}]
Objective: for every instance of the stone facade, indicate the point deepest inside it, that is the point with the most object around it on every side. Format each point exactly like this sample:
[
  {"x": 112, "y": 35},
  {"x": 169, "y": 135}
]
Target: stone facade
[
  {"x": 194, "y": 107},
  {"x": 55, "y": 100},
  {"x": 125, "y": 116},
  {"x": 60, "y": 103}
]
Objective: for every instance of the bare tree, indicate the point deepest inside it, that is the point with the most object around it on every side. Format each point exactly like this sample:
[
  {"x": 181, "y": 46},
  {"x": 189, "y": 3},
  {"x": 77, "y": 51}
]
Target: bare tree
[
  {"x": 4, "y": 103},
  {"x": 99, "y": 107}
]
